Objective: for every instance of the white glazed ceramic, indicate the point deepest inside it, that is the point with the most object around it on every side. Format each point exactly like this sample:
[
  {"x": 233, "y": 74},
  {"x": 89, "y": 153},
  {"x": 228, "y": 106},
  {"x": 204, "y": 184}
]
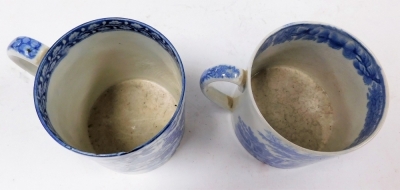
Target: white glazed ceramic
[
  {"x": 335, "y": 60},
  {"x": 74, "y": 71}
]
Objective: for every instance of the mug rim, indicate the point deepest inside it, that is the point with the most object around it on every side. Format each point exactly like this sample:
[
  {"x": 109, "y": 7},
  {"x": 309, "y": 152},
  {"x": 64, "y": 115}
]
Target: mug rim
[
  {"x": 319, "y": 153},
  {"x": 180, "y": 104}
]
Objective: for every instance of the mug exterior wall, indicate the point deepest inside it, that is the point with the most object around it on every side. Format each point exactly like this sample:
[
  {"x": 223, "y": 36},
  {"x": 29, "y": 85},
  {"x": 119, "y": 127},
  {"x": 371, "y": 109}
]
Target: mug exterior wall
[
  {"x": 262, "y": 141},
  {"x": 154, "y": 154}
]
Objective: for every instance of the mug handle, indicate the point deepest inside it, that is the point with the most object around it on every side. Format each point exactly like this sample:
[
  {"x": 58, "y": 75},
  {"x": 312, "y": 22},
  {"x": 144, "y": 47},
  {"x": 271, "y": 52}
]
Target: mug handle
[
  {"x": 27, "y": 53},
  {"x": 220, "y": 73}
]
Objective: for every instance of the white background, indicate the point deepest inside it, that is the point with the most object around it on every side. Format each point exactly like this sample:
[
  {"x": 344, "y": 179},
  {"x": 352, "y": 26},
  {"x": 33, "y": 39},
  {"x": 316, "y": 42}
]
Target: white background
[{"x": 205, "y": 33}]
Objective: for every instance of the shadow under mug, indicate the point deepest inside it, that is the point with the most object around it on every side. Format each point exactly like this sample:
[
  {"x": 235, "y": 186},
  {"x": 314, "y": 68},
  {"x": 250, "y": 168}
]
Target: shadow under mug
[
  {"x": 275, "y": 115},
  {"x": 82, "y": 64}
]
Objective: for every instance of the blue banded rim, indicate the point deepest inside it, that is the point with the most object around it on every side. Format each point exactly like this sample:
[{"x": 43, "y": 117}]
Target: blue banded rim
[
  {"x": 61, "y": 41},
  {"x": 267, "y": 42}
]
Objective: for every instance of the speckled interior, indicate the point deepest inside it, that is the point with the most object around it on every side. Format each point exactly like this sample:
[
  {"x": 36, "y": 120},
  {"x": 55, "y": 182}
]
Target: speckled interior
[
  {"x": 93, "y": 65},
  {"x": 329, "y": 115},
  {"x": 128, "y": 114}
]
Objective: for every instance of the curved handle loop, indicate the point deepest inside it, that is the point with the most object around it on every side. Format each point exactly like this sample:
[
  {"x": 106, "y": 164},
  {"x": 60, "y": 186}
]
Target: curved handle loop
[
  {"x": 219, "y": 73},
  {"x": 27, "y": 53}
]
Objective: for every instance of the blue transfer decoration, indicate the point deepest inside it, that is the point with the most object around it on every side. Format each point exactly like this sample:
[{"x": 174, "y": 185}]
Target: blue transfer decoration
[
  {"x": 271, "y": 150},
  {"x": 363, "y": 62},
  {"x": 220, "y": 71},
  {"x": 154, "y": 154},
  {"x": 26, "y": 46},
  {"x": 146, "y": 157},
  {"x": 376, "y": 101}
]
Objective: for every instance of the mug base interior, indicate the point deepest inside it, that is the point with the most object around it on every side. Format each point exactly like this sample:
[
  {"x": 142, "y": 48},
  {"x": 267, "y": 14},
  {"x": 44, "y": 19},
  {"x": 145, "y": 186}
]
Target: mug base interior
[
  {"x": 310, "y": 94},
  {"x": 129, "y": 114},
  {"x": 105, "y": 60},
  {"x": 287, "y": 97}
]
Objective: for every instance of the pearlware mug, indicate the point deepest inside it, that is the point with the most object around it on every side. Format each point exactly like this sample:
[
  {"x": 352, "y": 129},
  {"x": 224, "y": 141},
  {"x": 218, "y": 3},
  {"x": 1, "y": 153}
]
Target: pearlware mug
[
  {"x": 311, "y": 92},
  {"x": 87, "y": 60}
]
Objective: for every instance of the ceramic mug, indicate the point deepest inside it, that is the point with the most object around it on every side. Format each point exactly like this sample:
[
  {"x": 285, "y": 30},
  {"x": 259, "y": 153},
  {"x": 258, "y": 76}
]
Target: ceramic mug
[
  {"x": 87, "y": 60},
  {"x": 311, "y": 92}
]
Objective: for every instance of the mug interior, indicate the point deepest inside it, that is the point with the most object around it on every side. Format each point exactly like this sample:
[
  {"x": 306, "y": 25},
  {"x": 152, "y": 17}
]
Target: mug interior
[
  {"x": 101, "y": 54},
  {"x": 317, "y": 83}
]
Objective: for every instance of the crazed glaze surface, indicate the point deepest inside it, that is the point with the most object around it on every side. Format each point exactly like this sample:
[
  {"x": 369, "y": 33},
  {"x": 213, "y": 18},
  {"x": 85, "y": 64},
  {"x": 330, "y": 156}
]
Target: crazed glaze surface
[{"x": 149, "y": 155}]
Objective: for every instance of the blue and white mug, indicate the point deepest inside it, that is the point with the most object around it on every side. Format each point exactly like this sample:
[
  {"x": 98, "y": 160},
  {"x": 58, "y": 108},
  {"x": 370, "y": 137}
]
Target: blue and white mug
[
  {"x": 84, "y": 62},
  {"x": 311, "y": 92}
]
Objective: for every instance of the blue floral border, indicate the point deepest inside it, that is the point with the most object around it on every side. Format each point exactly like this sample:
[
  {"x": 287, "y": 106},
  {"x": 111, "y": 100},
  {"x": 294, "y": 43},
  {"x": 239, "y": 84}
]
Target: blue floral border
[
  {"x": 168, "y": 138},
  {"x": 26, "y": 46},
  {"x": 363, "y": 62},
  {"x": 219, "y": 72}
]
